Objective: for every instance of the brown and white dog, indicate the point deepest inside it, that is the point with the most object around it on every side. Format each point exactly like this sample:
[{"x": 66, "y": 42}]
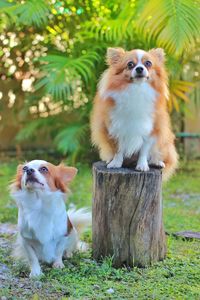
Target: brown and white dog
[
  {"x": 46, "y": 230},
  {"x": 130, "y": 114}
]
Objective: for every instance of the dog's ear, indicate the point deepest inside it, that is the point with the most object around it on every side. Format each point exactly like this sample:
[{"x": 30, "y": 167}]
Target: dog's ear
[
  {"x": 158, "y": 53},
  {"x": 64, "y": 175},
  {"x": 114, "y": 55},
  {"x": 16, "y": 182},
  {"x": 67, "y": 174}
]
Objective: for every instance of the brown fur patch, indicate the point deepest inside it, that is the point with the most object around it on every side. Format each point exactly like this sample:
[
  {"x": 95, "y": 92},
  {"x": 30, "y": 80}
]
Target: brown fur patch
[
  {"x": 16, "y": 182},
  {"x": 69, "y": 226},
  {"x": 58, "y": 177}
]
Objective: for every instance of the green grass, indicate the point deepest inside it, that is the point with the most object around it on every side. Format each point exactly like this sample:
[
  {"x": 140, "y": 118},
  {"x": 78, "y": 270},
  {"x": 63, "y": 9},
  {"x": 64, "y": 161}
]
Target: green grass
[
  {"x": 8, "y": 211},
  {"x": 177, "y": 277},
  {"x": 181, "y": 198}
]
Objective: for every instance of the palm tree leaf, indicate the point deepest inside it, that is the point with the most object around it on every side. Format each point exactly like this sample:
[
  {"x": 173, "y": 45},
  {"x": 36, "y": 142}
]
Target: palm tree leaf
[
  {"x": 173, "y": 24},
  {"x": 181, "y": 95},
  {"x": 32, "y": 12},
  {"x": 179, "y": 90},
  {"x": 175, "y": 103},
  {"x": 114, "y": 29},
  {"x": 29, "y": 130},
  {"x": 29, "y": 12},
  {"x": 5, "y": 5},
  {"x": 69, "y": 139},
  {"x": 61, "y": 71}
]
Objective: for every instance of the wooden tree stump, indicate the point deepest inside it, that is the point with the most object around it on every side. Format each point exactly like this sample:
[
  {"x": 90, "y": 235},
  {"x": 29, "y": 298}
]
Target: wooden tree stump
[{"x": 127, "y": 216}]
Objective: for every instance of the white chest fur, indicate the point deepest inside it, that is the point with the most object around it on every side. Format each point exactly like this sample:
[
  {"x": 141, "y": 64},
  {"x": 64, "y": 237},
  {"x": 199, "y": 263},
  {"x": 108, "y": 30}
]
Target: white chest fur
[
  {"x": 132, "y": 116},
  {"x": 42, "y": 219}
]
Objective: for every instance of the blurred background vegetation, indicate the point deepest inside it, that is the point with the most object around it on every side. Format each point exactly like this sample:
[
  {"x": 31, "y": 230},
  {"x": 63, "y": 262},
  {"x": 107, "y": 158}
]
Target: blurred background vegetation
[{"x": 53, "y": 53}]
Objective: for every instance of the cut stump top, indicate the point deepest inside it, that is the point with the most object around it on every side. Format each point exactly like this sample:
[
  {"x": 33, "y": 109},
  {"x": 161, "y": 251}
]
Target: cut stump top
[{"x": 102, "y": 167}]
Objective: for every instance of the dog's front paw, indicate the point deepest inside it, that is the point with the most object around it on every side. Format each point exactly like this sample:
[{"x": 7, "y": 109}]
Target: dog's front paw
[
  {"x": 69, "y": 254},
  {"x": 114, "y": 164},
  {"x": 58, "y": 265},
  {"x": 35, "y": 272},
  {"x": 142, "y": 167}
]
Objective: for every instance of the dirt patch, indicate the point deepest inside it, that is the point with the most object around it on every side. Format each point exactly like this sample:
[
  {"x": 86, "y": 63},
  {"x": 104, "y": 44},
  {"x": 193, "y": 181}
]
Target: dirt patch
[{"x": 14, "y": 280}]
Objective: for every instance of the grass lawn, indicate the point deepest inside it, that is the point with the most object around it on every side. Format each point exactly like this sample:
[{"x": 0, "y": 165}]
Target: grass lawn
[{"x": 177, "y": 277}]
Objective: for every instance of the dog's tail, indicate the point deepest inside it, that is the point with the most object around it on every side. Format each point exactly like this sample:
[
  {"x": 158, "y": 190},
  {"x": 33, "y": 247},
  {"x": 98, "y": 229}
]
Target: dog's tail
[
  {"x": 171, "y": 163},
  {"x": 81, "y": 219}
]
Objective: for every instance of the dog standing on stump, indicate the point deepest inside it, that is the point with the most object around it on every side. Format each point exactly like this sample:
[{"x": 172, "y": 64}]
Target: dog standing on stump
[{"x": 130, "y": 114}]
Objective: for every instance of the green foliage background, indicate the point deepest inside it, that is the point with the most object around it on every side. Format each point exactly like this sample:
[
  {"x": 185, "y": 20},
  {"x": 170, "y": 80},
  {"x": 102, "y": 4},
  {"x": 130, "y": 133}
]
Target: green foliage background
[{"x": 59, "y": 48}]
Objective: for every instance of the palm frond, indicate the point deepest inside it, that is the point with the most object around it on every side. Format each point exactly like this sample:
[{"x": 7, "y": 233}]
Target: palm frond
[
  {"x": 69, "y": 139},
  {"x": 5, "y": 5},
  {"x": 6, "y": 12},
  {"x": 114, "y": 29},
  {"x": 179, "y": 89},
  {"x": 29, "y": 12},
  {"x": 33, "y": 12},
  {"x": 173, "y": 24},
  {"x": 28, "y": 131},
  {"x": 61, "y": 71}
]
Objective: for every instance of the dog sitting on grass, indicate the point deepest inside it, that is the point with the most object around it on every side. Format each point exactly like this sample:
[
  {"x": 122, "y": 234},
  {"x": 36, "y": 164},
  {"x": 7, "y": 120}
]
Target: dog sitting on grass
[{"x": 47, "y": 231}]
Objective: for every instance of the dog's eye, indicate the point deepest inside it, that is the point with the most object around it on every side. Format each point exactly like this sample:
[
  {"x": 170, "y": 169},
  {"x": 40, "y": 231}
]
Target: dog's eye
[
  {"x": 25, "y": 168},
  {"x": 43, "y": 170},
  {"x": 148, "y": 63},
  {"x": 130, "y": 65}
]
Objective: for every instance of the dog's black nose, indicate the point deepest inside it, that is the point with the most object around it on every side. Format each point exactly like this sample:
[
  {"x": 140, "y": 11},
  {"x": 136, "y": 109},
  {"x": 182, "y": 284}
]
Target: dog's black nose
[
  {"x": 30, "y": 171},
  {"x": 139, "y": 70}
]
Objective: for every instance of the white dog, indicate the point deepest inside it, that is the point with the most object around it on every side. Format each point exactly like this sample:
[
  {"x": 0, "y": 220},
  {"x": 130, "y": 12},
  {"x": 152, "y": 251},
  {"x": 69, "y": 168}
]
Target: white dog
[{"x": 46, "y": 230}]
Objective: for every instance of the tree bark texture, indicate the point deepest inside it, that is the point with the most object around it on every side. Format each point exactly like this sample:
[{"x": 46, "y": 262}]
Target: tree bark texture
[{"x": 127, "y": 216}]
